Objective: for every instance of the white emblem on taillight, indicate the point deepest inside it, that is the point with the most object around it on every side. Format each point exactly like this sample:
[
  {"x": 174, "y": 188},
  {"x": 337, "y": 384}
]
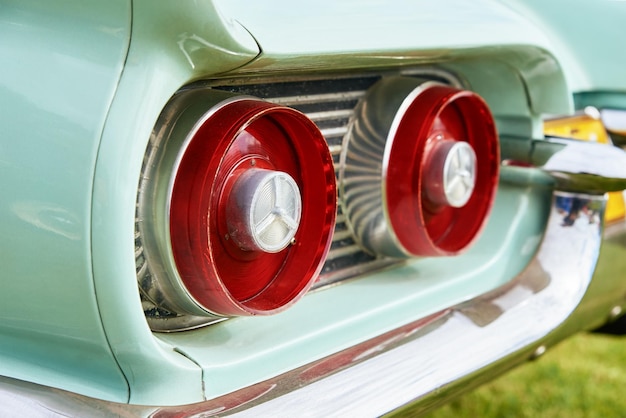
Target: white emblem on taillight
[
  {"x": 450, "y": 174},
  {"x": 264, "y": 213}
]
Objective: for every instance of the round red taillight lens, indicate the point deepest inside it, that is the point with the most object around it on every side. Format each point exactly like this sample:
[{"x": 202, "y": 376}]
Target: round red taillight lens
[
  {"x": 236, "y": 255},
  {"x": 249, "y": 201},
  {"x": 445, "y": 135},
  {"x": 428, "y": 154}
]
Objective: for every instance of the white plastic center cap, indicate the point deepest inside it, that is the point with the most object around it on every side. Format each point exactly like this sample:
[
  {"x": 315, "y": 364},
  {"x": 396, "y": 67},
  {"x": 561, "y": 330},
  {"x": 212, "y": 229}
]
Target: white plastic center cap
[
  {"x": 450, "y": 173},
  {"x": 265, "y": 210},
  {"x": 459, "y": 174}
]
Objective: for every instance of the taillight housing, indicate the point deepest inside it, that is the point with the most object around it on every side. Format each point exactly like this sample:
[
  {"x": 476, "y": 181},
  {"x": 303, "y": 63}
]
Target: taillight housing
[
  {"x": 420, "y": 168},
  {"x": 239, "y": 213}
]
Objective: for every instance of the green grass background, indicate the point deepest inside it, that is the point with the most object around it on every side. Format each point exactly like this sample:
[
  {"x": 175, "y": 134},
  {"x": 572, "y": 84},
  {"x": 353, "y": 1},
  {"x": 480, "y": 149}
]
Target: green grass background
[{"x": 584, "y": 376}]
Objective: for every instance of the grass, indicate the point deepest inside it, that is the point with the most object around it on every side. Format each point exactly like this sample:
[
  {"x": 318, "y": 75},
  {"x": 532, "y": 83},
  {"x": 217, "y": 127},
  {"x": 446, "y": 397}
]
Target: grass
[{"x": 584, "y": 376}]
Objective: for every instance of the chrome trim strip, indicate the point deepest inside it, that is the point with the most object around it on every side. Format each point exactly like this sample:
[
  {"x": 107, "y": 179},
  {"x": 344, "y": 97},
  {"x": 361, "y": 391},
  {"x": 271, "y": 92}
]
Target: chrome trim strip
[
  {"x": 364, "y": 163},
  {"x": 343, "y": 251},
  {"x": 571, "y": 164},
  {"x": 316, "y": 98},
  {"x": 335, "y": 149},
  {"x": 342, "y": 234},
  {"x": 581, "y": 165},
  {"x": 173, "y": 133},
  {"x": 330, "y": 115},
  {"x": 334, "y": 132}
]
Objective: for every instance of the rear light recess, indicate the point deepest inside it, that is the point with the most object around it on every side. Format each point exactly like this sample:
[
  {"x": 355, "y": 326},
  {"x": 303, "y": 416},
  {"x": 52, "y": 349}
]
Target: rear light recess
[
  {"x": 250, "y": 206},
  {"x": 431, "y": 167}
]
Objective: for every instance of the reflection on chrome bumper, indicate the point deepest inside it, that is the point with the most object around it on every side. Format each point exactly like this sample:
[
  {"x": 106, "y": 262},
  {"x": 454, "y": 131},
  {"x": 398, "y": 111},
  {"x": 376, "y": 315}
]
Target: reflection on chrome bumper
[{"x": 572, "y": 165}]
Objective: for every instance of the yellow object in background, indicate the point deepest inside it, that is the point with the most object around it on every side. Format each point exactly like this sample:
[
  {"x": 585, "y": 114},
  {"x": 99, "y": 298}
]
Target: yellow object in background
[{"x": 587, "y": 126}]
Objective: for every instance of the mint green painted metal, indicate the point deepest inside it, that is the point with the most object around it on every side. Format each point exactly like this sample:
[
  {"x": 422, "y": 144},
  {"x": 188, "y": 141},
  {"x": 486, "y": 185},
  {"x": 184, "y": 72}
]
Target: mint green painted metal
[
  {"x": 488, "y": 44},
  {"x": 349, "y": 34},
  {"x": 173, "y": 44},
  {"x": 377, "y": 30},
  {"x": 601, "y": 100},
  {"x": 61, "y": 63},
  {"x": 529, "y": 93},
  {"x": 588, "y": 39}
]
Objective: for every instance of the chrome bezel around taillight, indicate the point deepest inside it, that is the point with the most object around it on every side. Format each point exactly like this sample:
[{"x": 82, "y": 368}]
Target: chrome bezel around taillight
[
  {"x": 203, "y": 160},
  {"x": 397, "y": 159}
]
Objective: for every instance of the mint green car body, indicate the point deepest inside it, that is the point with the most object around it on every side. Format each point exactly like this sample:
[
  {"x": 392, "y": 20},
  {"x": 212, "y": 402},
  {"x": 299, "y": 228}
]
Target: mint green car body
[{"x": 82, "y": 84}]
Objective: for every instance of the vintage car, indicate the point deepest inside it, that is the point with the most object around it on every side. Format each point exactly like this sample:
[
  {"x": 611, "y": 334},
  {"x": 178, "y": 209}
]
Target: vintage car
[{"x": 279, "y": 208}]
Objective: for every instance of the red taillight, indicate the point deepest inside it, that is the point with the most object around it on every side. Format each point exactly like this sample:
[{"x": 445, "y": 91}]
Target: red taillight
[
  {"x": 439, "y": 119},
  {"x": 431, "y": 164},
  {"x": 252, "y": 208}
]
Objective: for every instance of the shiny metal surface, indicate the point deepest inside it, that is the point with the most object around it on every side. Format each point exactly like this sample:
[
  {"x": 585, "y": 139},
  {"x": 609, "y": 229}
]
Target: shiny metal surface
[
  {"x": 403, "y": 365},
  {"x": 572, "y": 165},
  {"x": 587, "y": 125},
  {"x": 453, "y": 174},
  {"x": 158, "y": 279},
  {"x": 481, "y": 312},
  {"x": 364, "y": 162},
  {"x": 265, "y": 210}
]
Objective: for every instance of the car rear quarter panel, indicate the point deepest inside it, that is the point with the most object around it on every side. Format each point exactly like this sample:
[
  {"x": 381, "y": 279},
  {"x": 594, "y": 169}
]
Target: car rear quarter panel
[{"x": 55, "y": 90}]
